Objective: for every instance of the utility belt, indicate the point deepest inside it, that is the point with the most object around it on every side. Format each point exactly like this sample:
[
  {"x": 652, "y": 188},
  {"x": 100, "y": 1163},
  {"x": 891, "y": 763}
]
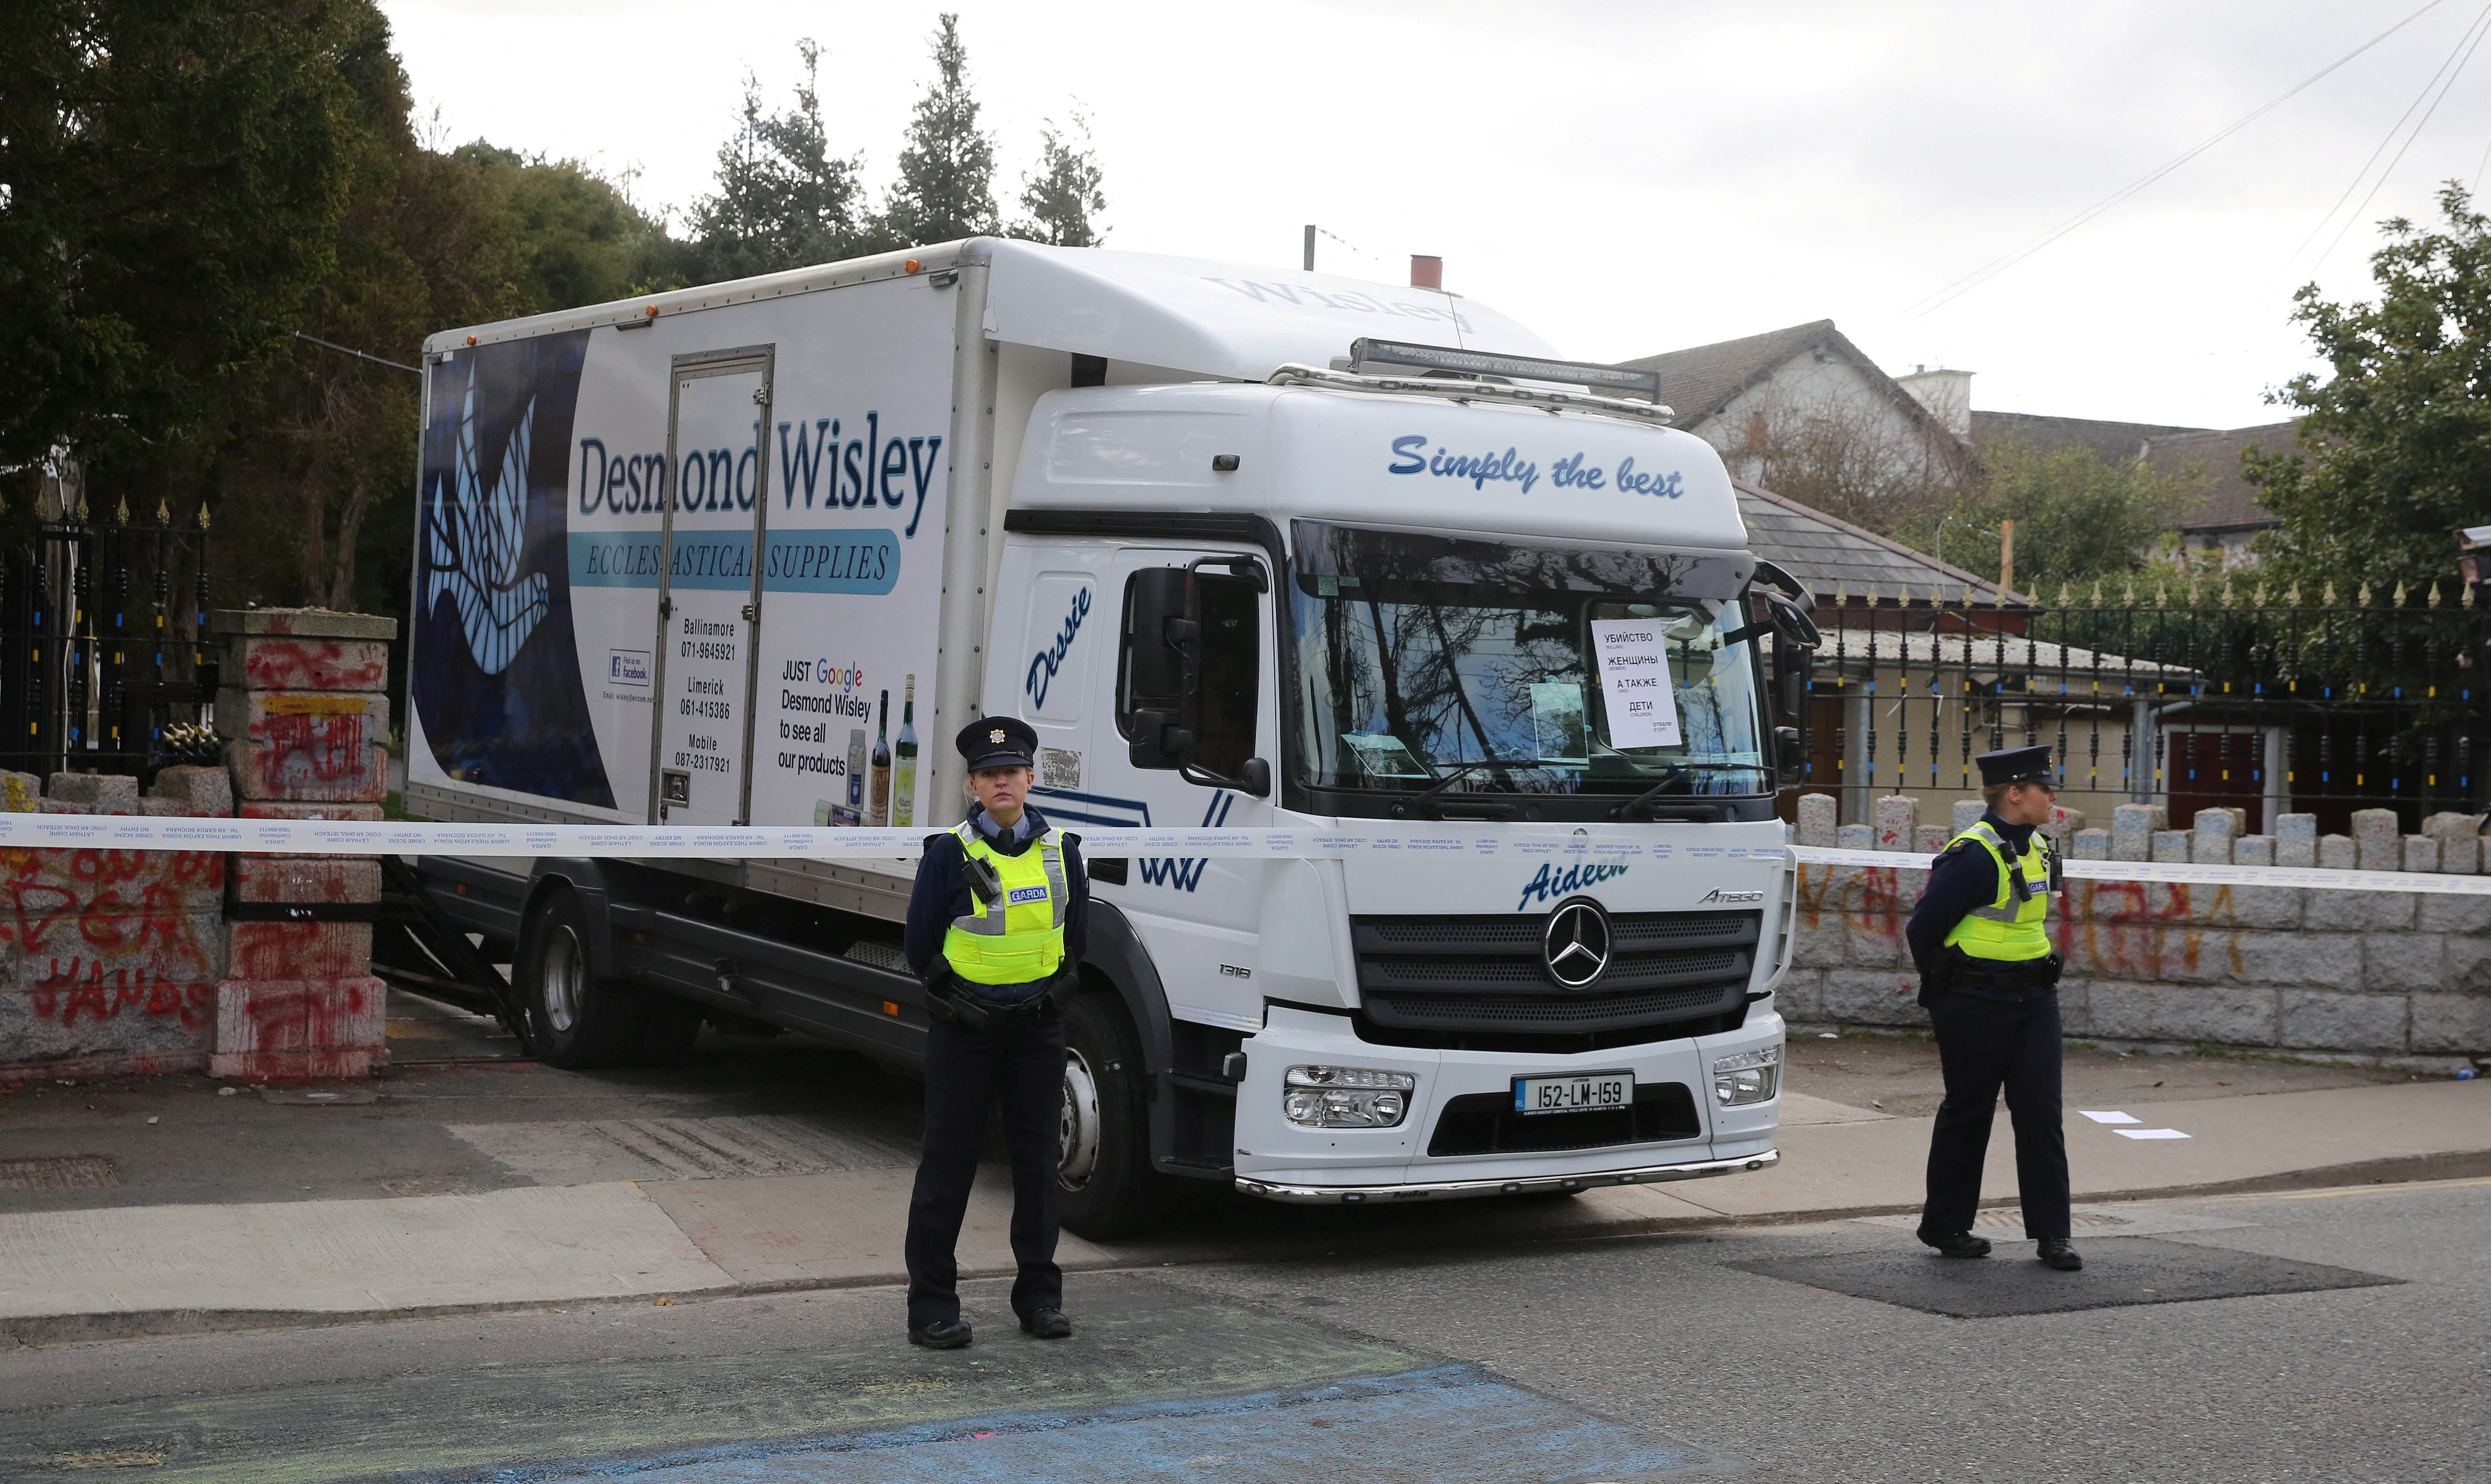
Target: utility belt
[
  {"x": 948, "y": 996},
  {"x": 2003, "y": 975}
]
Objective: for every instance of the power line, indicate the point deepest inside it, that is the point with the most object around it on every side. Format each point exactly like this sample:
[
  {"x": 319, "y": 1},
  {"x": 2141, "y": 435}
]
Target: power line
[
  {"x": 348, "y": 350},
  {"x": 1939, "y": 299},
  {"x": 2355, "y": 184},
  {"x": 2478, "y": 31}
]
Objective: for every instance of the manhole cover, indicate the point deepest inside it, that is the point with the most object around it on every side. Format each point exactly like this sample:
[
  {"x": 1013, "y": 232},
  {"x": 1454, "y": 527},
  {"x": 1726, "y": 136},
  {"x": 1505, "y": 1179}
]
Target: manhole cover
[
  {"x": 65, "y": 1172},
  {"x": 2118, "y": 1272}
]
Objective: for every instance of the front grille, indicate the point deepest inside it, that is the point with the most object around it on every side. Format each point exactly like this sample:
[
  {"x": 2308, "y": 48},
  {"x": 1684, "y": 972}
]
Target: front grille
[
  {"x": 1551, "y": 1012},
  {"x": 1487, "y": 974},
  {"x": 1485, "y": 1123}
]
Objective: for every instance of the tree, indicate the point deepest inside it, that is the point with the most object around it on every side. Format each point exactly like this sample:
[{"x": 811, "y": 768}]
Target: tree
[
  {"x": 947, "y": 170},
  {"x": 1851, "y": 456},
  {"x": 1062, "y": 196},
  {"x": 2395, "y": 444},
  {"x": 783, "y": 201},
  {"x": 2078, "y": 516},
  {"x": 172, "y": 180},
  {"x": 580, "y": 237}
]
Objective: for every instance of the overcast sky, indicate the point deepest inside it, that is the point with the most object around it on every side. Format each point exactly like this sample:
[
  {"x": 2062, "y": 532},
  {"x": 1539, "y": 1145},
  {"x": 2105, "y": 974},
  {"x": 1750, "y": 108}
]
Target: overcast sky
[{"x": 1624, "y": 178}]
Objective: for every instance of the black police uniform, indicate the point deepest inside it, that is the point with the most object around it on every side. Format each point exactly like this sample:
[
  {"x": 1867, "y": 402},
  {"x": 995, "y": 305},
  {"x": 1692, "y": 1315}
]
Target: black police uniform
[
  {"x": 1997, "y": 1024},
  {"x": 985, "y": 1041}
]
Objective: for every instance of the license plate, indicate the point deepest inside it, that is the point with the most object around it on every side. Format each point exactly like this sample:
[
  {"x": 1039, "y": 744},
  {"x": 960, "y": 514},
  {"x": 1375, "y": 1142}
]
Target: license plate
[{"x": 1590, "y": 1093}]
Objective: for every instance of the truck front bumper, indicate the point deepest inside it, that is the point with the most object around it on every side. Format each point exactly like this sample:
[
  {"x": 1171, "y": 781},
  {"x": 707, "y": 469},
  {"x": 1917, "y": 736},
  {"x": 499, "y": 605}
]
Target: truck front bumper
[{"x": 1313, "y": 1195}]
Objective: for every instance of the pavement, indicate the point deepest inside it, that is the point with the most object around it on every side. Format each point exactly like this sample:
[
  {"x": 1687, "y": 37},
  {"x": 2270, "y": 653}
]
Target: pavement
[{"x": 467, "y": 1180}]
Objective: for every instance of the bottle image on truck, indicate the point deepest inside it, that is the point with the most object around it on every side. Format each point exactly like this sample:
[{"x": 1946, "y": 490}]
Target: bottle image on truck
[
  {"x": 904, "y": 762},
  {"x": 879, "y": 813},
  {"x": 1249, "y": 549}
]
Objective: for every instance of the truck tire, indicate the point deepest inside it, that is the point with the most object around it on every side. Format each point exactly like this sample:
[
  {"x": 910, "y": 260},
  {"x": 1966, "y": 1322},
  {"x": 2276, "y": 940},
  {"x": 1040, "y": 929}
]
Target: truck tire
[
  {"x": 575, "y": 1018},
  {"x": 1105, "y": 1166}
]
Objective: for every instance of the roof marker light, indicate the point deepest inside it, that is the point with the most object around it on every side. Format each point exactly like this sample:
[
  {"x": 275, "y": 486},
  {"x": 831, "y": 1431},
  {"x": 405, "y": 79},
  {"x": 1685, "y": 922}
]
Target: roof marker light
[
  {"x": 471, "y": 339},
  {"x": 912, "y": 265}
]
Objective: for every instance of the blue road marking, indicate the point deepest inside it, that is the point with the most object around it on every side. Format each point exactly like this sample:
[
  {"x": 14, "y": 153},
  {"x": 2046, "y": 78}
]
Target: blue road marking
[{"x": 1447, "y": 1422}]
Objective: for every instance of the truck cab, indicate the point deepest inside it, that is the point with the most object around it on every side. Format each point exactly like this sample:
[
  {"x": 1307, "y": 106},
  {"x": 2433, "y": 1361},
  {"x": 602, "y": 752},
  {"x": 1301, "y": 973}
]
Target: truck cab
[{"x": 1393, "y": 592}]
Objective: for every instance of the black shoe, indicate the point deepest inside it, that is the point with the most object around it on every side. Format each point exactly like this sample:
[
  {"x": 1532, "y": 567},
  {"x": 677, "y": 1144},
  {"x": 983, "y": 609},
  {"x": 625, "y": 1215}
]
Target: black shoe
[
  {"x": 2060, "y": 1254},
  {"x": 942, "y": 1335},
  {"x": 1046, "y": 1324},
  {"x": 1957, "y": 1244}
]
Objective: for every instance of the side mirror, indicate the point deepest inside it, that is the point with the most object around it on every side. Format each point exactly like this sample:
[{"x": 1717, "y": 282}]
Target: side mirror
[
  {"x": 1790, "y": 754},
  {"x": 1165, "y": 634},
  {"x": 1794, "y": 670},
  {"x": 1162, "y": 739}
]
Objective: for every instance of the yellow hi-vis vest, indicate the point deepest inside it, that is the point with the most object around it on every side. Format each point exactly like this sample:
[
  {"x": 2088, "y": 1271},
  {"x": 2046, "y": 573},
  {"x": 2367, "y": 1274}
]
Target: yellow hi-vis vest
[
  {"x": 2010, "y": 930},
  {"x": 1020, "y": 939}
]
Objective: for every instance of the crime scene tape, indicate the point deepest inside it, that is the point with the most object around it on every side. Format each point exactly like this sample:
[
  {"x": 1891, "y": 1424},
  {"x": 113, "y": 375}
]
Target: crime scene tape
[
  {"x": 2194, "y": 875},
  {"x": 348, "y": 837},
  {"x": 659, "y": 842}
]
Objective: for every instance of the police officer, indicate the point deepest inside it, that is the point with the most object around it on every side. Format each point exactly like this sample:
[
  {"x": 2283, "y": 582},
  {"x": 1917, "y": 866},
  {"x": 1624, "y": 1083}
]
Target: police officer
[
  {"x": 1990, "y": 981},
  {"x": 996, "y": 924}
]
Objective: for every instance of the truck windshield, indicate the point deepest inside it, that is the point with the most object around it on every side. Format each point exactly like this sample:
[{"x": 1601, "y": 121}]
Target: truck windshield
[{"x": 1421, "y": 657}]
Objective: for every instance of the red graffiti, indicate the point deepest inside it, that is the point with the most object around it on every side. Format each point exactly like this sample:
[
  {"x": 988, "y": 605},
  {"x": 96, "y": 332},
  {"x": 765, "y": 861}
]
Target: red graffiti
[
  {"x": 301, "y": 950},
  {"x": 313, "y": 664},
  {"x": 311, "y": 1017},
  {"x": 85, "y": 986},
  {"x": 330, "y": 749}
]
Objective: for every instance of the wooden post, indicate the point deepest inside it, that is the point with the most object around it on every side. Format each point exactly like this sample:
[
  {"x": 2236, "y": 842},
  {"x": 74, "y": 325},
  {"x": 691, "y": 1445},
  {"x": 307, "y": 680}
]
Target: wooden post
[{"x": 2006, "y": 555}]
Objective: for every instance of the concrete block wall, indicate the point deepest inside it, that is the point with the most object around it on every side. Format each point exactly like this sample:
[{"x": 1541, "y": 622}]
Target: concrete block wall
[
  {"x": 2279, "y": 968},
  {"x": 309, "y": 723},
  {"x": 109, "y": 959}
]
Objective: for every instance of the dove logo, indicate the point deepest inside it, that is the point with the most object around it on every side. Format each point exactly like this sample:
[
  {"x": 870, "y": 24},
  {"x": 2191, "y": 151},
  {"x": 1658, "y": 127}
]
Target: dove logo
[{"x": 474, "y": 535}]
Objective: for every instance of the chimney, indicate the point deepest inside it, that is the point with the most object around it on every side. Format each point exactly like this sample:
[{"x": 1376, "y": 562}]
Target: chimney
[
  {"x": 1426, "y": 271},
  {"x": 1946, "y": 394}
]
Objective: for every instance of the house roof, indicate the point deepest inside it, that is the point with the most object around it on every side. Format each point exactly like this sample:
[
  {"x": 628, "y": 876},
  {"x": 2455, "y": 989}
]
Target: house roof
[
  {"x": 1697, "y": 382},
  {"x": 1834, "y": 556},
  {"x": 2111, "y": 442},
  {"x": 2229, "y": 502}
]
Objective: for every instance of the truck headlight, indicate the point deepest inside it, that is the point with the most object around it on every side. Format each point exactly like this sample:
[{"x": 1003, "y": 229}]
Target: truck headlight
[
  {"x": 1346, "y": 1096},
  {"x": 1748, "y": 1077}
]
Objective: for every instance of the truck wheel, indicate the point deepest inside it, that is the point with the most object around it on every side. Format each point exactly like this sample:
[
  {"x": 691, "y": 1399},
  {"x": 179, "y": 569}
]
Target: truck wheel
[
  {"x": 1104, "y": 1165},
  {"x": 576, "y": 1019}
]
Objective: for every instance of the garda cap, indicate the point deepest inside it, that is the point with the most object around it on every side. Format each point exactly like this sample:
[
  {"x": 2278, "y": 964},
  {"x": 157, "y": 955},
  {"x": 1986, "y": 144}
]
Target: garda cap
[
  {"x": 998, "y": 741},
  {"x": 2015, "y": 765}
]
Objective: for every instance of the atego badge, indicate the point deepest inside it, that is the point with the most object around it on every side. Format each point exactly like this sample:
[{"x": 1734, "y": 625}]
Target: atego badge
[{"x": 1576, "y": 942}]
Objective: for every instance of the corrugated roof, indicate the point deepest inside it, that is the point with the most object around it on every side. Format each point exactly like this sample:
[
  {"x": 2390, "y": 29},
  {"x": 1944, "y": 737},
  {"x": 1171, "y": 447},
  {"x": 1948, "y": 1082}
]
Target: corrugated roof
[
  {"x": 1834, "y": 556},
  {"x": 1981, "y": 657},
  {"x": 2229, "y": 502}
]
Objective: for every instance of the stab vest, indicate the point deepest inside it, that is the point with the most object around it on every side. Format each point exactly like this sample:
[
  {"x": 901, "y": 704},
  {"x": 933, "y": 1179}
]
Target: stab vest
[
  {"x": 1020, "y": 939},
  {"x": 2010, "y": 930}
]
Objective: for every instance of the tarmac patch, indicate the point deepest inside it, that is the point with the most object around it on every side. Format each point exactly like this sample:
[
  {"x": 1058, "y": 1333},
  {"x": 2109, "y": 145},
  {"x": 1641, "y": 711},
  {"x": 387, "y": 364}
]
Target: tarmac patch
[
  {"x": 61, "y": 1171},
  {"x": 2118, "y": 1274}
]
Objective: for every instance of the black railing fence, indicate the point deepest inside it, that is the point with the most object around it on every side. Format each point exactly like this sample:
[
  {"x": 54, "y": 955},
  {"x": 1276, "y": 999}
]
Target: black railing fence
[
  {"x": 2222, "y": 691},
  {"x": 104, "y": 641}
]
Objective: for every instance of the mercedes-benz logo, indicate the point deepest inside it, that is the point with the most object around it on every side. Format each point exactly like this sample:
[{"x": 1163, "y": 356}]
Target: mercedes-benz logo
[{"x": 1576, "y": 942}]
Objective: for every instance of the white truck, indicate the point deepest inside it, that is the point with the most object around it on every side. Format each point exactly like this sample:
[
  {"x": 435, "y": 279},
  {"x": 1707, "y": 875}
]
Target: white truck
[{"x": 1247, "y": 548}]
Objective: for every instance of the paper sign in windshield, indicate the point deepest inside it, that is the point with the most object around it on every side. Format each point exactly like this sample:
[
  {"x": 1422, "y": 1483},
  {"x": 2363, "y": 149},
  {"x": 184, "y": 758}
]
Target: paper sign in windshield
[{"x": 1633, "y": 655}]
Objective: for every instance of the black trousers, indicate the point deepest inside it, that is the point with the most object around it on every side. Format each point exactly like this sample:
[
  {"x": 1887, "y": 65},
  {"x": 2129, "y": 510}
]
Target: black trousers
[
  {"x": 1983, "y": 1045},
  {"x": 1018, "y": 1058}
]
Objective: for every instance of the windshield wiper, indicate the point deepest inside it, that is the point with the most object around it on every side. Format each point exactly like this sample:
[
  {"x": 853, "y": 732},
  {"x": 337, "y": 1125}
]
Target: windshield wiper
[
  {"x": 1675, "y": 776},
  {"x": 1462, "y": 769}
]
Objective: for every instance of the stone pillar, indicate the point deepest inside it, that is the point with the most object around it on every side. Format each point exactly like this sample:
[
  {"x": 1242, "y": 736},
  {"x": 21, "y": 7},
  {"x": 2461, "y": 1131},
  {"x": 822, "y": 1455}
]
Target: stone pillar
[
  {"x": 2132, "y": 828},
  {"x": 2296, "y": 839},
  {"x": 1897, "y": 821},
  {"x": 2460, "y": 841},
  {"x": 1817, "y": 820},
  {"x": 308, "y": 723},
  {"x": 2377, "y": 841}
]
